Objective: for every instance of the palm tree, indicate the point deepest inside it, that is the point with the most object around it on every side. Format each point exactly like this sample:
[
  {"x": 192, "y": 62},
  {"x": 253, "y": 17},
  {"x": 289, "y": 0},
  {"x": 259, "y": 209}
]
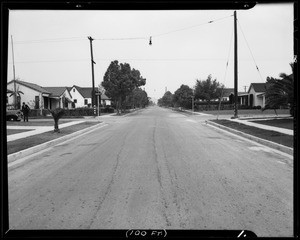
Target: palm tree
[
  {"x": 280, "y": 92},
  {"x": 16, "y": 94},
  {"x": 56, "y": 114}
]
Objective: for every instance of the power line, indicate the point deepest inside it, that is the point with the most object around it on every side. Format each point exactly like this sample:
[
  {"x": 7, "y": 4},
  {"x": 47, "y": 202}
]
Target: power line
[
  {"x": 51, "y": 40},
  {"x": 123, "y": 59},
  {"x": 250, "y": 51},
  {"x": 186, "y": 28},
  {"x": 55, "y": 40},
  {"x": 120, "y": 39}
]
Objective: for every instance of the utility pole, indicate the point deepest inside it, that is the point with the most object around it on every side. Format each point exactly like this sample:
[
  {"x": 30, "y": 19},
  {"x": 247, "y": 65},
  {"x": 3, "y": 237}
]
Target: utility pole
[
  {"x": 93, "y": 81},
  {"x": 193, "y": 103},
  {"x": 235, "y": 69},
  {"x": 14, "y": 72}
]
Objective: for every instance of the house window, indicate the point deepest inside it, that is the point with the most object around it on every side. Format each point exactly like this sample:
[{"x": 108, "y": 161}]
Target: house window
[
  {"x": 37, "y": 102},
  {"x": 85, "y": 101},
  {"x": 75, "y": 100},
  {"x": 66, "y": 103},
  {"x": 73, "y": 89}
]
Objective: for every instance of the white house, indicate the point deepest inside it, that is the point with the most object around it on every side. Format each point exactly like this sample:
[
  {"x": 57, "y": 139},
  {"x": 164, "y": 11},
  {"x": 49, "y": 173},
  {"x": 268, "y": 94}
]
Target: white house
[
  {"x": 33, "y": 95},
  {"x": 82, "y": 97},
  {"x": 257, "y": 94},
  {"x": 37, "y": 97}
]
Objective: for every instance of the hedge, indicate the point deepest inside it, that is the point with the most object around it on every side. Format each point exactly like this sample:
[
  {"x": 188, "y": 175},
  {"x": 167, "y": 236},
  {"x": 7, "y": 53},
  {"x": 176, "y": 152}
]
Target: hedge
[{"x": 75, "y": 112}]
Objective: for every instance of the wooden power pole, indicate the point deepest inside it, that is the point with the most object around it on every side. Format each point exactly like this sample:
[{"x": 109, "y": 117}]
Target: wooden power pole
[
  {"x": 235, "y": 69},
  {"x": 93, "y": 80}
]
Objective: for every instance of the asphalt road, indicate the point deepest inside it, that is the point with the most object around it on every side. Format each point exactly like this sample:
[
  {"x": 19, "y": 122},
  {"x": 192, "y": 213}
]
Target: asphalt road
[{"x": 155, "y": 169}]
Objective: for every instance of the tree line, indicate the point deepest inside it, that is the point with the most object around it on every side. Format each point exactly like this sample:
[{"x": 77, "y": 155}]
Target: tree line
[
  {"x": 204, "y": 90},
  {"x": 123, "y": 85},
  {"x": 279, "y": 93}
]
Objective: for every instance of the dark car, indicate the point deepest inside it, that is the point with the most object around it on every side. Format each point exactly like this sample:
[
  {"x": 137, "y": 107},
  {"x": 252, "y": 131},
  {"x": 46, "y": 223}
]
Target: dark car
[{"x": 14, "y": 115}]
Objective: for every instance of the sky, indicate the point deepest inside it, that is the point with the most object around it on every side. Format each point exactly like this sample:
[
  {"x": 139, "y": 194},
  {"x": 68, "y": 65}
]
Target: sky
[{"x": 51, "y": 47}]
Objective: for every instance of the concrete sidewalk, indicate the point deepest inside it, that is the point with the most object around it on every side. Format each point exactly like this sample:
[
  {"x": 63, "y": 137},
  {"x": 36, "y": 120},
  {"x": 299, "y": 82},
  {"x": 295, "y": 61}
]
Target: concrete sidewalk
[
  {"x": 36, "y": 130},
  {"x": 247, "y": 120},
  {"x": 41, "y": 129},
  {"x": 263, "y": 126}
]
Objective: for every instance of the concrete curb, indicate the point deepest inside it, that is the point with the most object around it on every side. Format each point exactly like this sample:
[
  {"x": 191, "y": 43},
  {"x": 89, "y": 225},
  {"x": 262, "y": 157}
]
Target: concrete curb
[
  {"x": 267, "y": 143},
  {"x": 26, "y": 152}
]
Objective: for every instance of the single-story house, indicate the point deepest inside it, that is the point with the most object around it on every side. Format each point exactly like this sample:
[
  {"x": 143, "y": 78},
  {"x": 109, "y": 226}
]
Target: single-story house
[
  {"x": 59, "y": 97},
  {"x": 257, "y": 94},
  {"x": 32, "y": 94},
  {"x": 37, "y": 97},
  {"x": 228, "y": 94},
  {"x": 82, "y": 97}
]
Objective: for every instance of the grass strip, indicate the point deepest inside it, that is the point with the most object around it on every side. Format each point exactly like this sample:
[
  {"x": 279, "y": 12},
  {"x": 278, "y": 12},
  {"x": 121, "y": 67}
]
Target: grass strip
[
  {"x": 282, "y": 123},
  {"x": 269, "y": 135},
  {"x": 24, "y": 143}
]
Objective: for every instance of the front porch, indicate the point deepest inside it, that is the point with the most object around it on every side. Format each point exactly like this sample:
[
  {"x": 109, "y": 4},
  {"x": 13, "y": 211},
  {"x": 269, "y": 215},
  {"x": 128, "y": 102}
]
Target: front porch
[{"x": 56, "y": 102}]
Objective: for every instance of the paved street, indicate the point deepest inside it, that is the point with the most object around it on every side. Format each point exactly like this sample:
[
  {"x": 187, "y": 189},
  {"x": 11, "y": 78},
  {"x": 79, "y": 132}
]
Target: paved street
[{"x": 159, "y": 169}]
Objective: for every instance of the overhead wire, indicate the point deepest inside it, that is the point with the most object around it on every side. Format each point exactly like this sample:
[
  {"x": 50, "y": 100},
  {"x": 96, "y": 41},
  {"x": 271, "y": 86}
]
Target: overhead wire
[
  {"x": 250, "y": 50},
  {"x": 229, "y": 51},
  {"x": 117, "y": 39},
  {"x": 186, "y": 28},
  {"x": 51, "y": 40}
]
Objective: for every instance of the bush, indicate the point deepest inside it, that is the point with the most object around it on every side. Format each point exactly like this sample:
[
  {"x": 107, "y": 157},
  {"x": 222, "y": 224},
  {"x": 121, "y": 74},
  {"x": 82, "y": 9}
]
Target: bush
[
  {"x": 79, "y": 112},
  {"x": 107, "y": 109},
  {"x": 38, "y": 112}
]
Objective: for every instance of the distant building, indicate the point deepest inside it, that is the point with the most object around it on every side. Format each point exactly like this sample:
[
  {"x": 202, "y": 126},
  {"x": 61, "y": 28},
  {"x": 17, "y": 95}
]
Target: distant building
[
  {"x": 37, "y": 97},
  {"x": 257, "y": 95},
  {"x": 82, "y": 97},
  {"x": 228, "y": 96}
]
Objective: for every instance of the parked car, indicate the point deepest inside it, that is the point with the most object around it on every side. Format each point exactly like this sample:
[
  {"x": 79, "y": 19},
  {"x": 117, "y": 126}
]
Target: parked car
[{"x": 14, "y": 115}]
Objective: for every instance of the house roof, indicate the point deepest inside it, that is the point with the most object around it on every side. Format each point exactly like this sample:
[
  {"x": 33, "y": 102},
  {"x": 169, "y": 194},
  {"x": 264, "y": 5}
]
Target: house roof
[
  {"x": 86, "y": 92},
  {"x": 228, "y": 91},
  {"x": 32, "y": 86},
  {"x": 258, "y": 87},
  {"x": 56, "y": 91}
]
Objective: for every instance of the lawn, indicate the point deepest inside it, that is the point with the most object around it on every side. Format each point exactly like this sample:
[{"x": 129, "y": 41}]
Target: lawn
[
  {"x": 272, "y": 136},
  {"x": 24, "y": 143},
  {"x": 282, "y": 123},
  {"x": 248, "y": 112}
]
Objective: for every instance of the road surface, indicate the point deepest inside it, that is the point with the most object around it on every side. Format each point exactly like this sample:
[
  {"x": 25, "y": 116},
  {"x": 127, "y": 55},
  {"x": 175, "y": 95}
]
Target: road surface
[{"x": 154, "y": 169}]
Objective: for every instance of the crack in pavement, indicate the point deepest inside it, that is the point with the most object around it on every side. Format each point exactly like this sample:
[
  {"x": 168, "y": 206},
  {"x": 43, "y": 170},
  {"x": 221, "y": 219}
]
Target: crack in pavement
[
  {"x": 108, "y": 188},
  {"x": 165, "y": 204}
]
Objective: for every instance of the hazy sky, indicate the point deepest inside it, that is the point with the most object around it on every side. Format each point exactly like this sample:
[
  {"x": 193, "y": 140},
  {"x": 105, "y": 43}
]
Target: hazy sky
[{"x": 51, "y": 47}]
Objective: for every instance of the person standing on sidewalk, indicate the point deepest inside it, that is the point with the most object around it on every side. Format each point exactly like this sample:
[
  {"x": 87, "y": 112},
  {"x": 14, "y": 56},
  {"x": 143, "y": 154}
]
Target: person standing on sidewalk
[{"x": 25, "y": 110}]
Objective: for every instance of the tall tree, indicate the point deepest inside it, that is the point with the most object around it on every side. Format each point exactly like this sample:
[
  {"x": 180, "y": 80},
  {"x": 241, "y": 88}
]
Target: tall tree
[
  {"x": 280, "y": 92},
  {"x": 183, "y": 96},
  {"x": 120, "y": 80},
  {"x": 17, "y": 96},
  {"x": 166, "y": 100},
  {"x": 207, "y": 90},
  {"x": 139, "y": 97}
]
